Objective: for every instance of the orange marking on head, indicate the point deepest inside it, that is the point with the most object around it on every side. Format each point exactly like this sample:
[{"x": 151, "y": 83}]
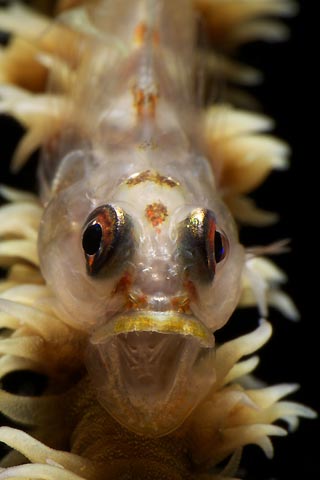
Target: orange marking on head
[
  {"x": 152, "y": 99},
  {"x": 123, "y": 284},
  {"x": 156, "y": 213},
  {"x": 151, "y": 176},
  {"x": 191, "y": 290},
  {"x": 181, "y": 304},
  {"x": 136, "y": 302},
  {"x": 145, "y": 102},
  {"x": 140, "y": 34}
]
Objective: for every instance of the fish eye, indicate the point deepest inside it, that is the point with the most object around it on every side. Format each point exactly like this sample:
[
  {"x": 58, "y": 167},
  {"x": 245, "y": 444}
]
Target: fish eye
[
  {"x": 203, "y": 245},
  {"x": 220, "y": 246},
  {"x": 106, "y": 230},
  {"x": 91, "y": 239},
  {"x": 216, "y": 243}
]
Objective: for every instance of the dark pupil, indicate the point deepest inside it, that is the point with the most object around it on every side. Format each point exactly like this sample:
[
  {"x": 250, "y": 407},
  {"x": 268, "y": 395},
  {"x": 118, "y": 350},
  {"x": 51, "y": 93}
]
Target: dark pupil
[
  {"x": 92, "y": 238},
  {"x": 218, "y": 247}
]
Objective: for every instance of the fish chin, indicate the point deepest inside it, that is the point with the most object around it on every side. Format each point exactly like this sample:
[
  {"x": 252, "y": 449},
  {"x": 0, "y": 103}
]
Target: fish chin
[{"x": 151, "y": 369}]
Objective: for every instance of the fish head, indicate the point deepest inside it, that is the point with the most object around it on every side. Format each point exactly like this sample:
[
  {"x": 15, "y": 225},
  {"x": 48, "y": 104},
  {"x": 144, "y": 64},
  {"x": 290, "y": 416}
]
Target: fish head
[{"x": 149, "y": 274}]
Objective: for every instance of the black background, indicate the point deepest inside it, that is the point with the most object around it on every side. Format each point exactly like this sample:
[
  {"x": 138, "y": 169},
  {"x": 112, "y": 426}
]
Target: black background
[{"x": 289, "y": 94}]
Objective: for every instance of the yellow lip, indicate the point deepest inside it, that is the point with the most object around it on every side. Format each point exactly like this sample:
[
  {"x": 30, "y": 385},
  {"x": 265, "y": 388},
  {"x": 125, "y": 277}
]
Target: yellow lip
[{"x": 161, "y": 322}]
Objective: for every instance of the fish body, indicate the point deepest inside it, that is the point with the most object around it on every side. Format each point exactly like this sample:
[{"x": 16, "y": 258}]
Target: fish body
[{"x": 129, "y": 245}]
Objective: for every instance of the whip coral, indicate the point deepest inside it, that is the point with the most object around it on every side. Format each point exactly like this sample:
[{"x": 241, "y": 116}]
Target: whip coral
[{"x": 69, "y": 431}]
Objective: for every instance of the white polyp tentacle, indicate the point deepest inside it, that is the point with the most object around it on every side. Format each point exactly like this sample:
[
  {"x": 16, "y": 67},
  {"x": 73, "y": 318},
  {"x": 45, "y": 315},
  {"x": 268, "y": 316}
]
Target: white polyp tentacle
[
  {"x": 241, "y": 368},
  {"x": 261, "y": 286},
  {"x": 229, "y": 353},
  {"x": 38, "y": 471},
  {"x": 35, "y": 451}
]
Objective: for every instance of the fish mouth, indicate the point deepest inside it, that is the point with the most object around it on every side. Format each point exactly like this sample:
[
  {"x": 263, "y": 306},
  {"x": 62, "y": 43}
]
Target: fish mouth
[
  {"x": 161, "y": 322},
  {"x": 151, "y": 369}
]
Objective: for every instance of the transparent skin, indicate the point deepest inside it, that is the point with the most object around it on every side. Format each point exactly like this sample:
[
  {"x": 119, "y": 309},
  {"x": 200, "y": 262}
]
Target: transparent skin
[{"x": 135, "y": 242}]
